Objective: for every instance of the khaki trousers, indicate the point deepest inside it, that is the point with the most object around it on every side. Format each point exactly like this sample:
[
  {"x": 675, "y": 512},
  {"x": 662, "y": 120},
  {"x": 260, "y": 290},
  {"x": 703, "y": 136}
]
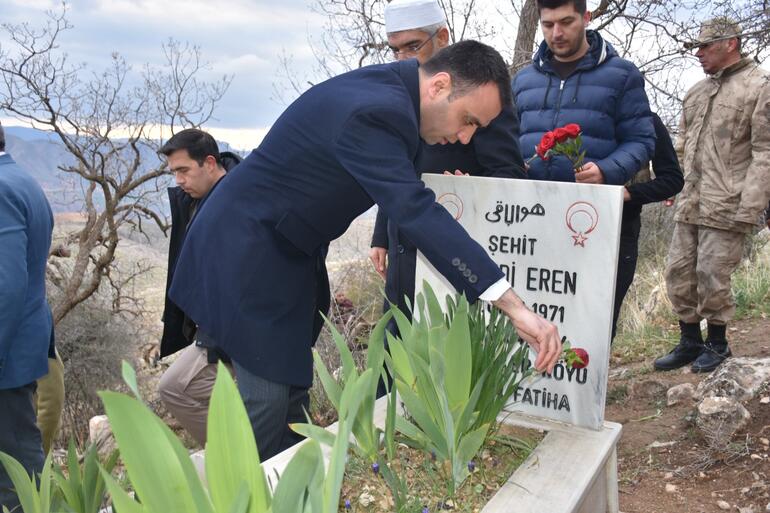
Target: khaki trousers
[
  {"x": 700, "y": 263},
  {"x": 185, "y": 389},
  {"x": 49, "y": 401}
]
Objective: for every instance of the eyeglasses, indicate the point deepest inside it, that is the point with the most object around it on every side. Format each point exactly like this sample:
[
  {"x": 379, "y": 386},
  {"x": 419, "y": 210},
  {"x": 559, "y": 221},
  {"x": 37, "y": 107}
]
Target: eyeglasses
[{"x": 413, "y": 48}]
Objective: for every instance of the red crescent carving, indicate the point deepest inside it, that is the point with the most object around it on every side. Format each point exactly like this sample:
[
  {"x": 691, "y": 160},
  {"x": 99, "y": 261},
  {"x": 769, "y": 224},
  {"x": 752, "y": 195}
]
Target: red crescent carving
[
  {"x": 450, "y": 198},
  {"x": 585, "y": 208}
]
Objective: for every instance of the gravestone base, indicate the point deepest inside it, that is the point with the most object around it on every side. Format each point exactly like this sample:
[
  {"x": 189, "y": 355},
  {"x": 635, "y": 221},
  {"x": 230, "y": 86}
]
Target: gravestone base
[{"x": 572, "y": 470}]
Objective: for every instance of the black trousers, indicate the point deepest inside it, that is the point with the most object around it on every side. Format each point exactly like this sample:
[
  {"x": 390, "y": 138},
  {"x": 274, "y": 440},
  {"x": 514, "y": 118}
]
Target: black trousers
[
  {"x": 628, "y": 255},
  {"x": 19, "y": 437},
  {"x": 271, "y": 408}
]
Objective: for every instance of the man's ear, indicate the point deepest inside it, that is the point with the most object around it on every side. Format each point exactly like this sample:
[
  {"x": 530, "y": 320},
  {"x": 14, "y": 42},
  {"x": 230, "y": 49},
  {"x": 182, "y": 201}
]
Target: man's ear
[
  {"x": 210, "y": 162},
  {"x": 587, "y": 17},
  {"x": 442, "y": 37},
  {"x": 439, "y": 85}
]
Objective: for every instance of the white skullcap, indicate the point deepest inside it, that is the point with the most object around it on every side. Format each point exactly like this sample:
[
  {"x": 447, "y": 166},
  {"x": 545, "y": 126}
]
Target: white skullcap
[{"x": 412, "y": 14}]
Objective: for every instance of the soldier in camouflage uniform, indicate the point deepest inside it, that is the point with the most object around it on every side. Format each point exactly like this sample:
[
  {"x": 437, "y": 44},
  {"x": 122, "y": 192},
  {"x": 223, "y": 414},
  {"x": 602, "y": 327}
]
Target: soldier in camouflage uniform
[{"x": 724, "y": 145}]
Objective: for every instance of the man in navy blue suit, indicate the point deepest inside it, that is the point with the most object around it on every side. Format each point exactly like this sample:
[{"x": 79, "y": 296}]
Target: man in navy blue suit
[
  {"x": 26, "y": 223},
  {"x": 251, "y": 273}
]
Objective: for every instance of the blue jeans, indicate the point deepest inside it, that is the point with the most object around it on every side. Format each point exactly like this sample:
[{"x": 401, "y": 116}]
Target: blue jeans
[
  {"x": 271, "y": 408},
  {"x": 19, "y": 437}
]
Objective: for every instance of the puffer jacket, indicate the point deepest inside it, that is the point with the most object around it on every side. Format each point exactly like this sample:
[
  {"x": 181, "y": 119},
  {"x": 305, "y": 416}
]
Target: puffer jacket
[
  {"x": 724, "y": 144},
  {"x": 604, "y": 95}
]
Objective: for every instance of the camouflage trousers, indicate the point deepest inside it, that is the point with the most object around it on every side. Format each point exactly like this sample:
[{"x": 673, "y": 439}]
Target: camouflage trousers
[{"x": 700, "y": 263}]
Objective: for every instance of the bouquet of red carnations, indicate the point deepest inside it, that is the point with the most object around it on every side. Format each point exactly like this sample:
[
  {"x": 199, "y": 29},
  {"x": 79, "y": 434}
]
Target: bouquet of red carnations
[{"x": 562, "y": 141}]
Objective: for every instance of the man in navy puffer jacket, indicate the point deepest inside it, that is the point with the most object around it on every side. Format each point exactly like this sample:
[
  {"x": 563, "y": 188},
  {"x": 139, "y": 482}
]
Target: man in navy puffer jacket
[{"x": 577, "y": 77}]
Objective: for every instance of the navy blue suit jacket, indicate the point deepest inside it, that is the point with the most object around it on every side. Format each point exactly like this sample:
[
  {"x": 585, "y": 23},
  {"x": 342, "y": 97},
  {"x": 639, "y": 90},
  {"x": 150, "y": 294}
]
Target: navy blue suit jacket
[
  {"x": 26, "y": 223},
  {"x": 251, "y": 271}
]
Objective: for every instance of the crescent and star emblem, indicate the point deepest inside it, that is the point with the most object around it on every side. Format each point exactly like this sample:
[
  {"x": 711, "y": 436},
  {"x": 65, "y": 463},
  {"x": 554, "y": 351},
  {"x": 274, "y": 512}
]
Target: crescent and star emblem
[{"x": 581, "y": 219}]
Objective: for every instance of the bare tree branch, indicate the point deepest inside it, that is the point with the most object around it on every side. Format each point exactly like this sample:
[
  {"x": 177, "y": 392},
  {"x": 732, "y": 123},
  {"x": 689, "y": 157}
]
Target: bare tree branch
[{"x": 109, "y": 130}]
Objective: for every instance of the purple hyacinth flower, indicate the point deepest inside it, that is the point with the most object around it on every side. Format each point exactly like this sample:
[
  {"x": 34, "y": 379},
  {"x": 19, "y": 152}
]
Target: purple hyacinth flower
[
  {"x": 425, "y": 510},
  {"x": 347, "y": 503},
  {"x": 471, "y": 466},
  {"x": 376, "y": 468}
]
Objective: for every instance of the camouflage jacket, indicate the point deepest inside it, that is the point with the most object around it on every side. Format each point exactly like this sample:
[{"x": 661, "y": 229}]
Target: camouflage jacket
[{"x": 724, "y": 145}]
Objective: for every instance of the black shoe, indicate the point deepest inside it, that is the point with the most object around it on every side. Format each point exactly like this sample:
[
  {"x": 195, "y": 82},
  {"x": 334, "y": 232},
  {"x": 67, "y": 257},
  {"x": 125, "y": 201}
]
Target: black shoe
[
  {"x": 689, "y": 348},
  {"x": 684, "y": 353},
  {"x": 714, "y": 353}
]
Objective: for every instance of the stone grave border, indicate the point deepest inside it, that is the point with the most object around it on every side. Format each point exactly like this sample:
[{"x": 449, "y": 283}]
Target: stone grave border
[{"x": 572, "y": 470}]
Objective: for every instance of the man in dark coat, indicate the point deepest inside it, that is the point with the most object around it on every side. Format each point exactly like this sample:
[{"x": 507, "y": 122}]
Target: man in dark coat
[
  {"x": 185, "y": 388},
  {"x": 252, "y": 274},
  {"x": 417, "y": 29},
  {"x": 577, "y": 77},
  {"x": 26, "y": 224}
]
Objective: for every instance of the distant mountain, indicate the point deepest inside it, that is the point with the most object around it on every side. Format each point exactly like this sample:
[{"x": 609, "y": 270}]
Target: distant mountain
[
  {"x": 29, "y": 134},
  {"x": 41, "y": 153}
]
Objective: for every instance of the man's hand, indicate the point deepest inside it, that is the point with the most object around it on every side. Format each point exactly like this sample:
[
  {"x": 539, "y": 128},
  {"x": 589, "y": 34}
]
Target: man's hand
[
  {"x": 539, "y": 333},
  {"x": 378, "y": 257},
  {"x": 626, "y": 195},
  {"x": 589, "y": 173},
  {"x": 456, "y": 173}
]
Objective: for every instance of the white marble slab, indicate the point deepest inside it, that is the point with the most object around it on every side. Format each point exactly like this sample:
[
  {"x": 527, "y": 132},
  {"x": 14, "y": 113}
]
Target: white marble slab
[{"x": 558, "y": 246}]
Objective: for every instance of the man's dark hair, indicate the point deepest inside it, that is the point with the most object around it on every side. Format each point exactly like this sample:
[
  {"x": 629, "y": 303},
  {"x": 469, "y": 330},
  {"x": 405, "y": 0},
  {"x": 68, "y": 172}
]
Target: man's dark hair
[
  {"x": 472, "y": 64},
  {"x": 198, "y": 144},
  {"x": 579, "y": 5},
  {"x": 2, "y": 138}
]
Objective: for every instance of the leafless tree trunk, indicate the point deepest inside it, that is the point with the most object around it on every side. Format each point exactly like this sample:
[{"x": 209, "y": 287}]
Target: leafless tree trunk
[
  {"x": 112, "y": 131},
  {"x": 525, "y": 36}
]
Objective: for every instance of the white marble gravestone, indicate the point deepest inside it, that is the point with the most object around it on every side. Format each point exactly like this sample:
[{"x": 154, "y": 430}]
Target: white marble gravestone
[{"x": 557, "y": 244}]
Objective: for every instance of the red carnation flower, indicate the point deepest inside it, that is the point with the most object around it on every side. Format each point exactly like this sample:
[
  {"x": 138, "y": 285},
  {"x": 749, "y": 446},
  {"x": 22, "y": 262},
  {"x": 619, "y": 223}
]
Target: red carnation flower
[
  {"x": 582, "y": 354},
  {"x": 561, "y": 135},
  {"x": 572, "y": 129},
  {"x": 547, "y": 141},
  {"x": 561, "y": 141}
]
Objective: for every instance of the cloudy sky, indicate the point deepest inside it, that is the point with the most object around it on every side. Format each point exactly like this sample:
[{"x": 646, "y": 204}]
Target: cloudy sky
[
  {"x": 244, "y": 38},
  {"x": 241, "y": 37}
]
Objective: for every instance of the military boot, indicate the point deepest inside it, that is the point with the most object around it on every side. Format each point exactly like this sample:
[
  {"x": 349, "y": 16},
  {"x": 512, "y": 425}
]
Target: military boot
[
  {"x": 715, "y": 350},
  {"x": 686, "y": 351}
]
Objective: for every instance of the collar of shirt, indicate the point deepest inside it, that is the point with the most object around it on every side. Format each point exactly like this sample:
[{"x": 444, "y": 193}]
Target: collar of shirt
[{"x": 732, "y": 68}]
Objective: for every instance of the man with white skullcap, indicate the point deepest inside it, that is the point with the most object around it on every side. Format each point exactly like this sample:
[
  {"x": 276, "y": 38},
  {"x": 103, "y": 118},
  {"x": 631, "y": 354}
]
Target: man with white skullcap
[{"x": 417, "y": 29}]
